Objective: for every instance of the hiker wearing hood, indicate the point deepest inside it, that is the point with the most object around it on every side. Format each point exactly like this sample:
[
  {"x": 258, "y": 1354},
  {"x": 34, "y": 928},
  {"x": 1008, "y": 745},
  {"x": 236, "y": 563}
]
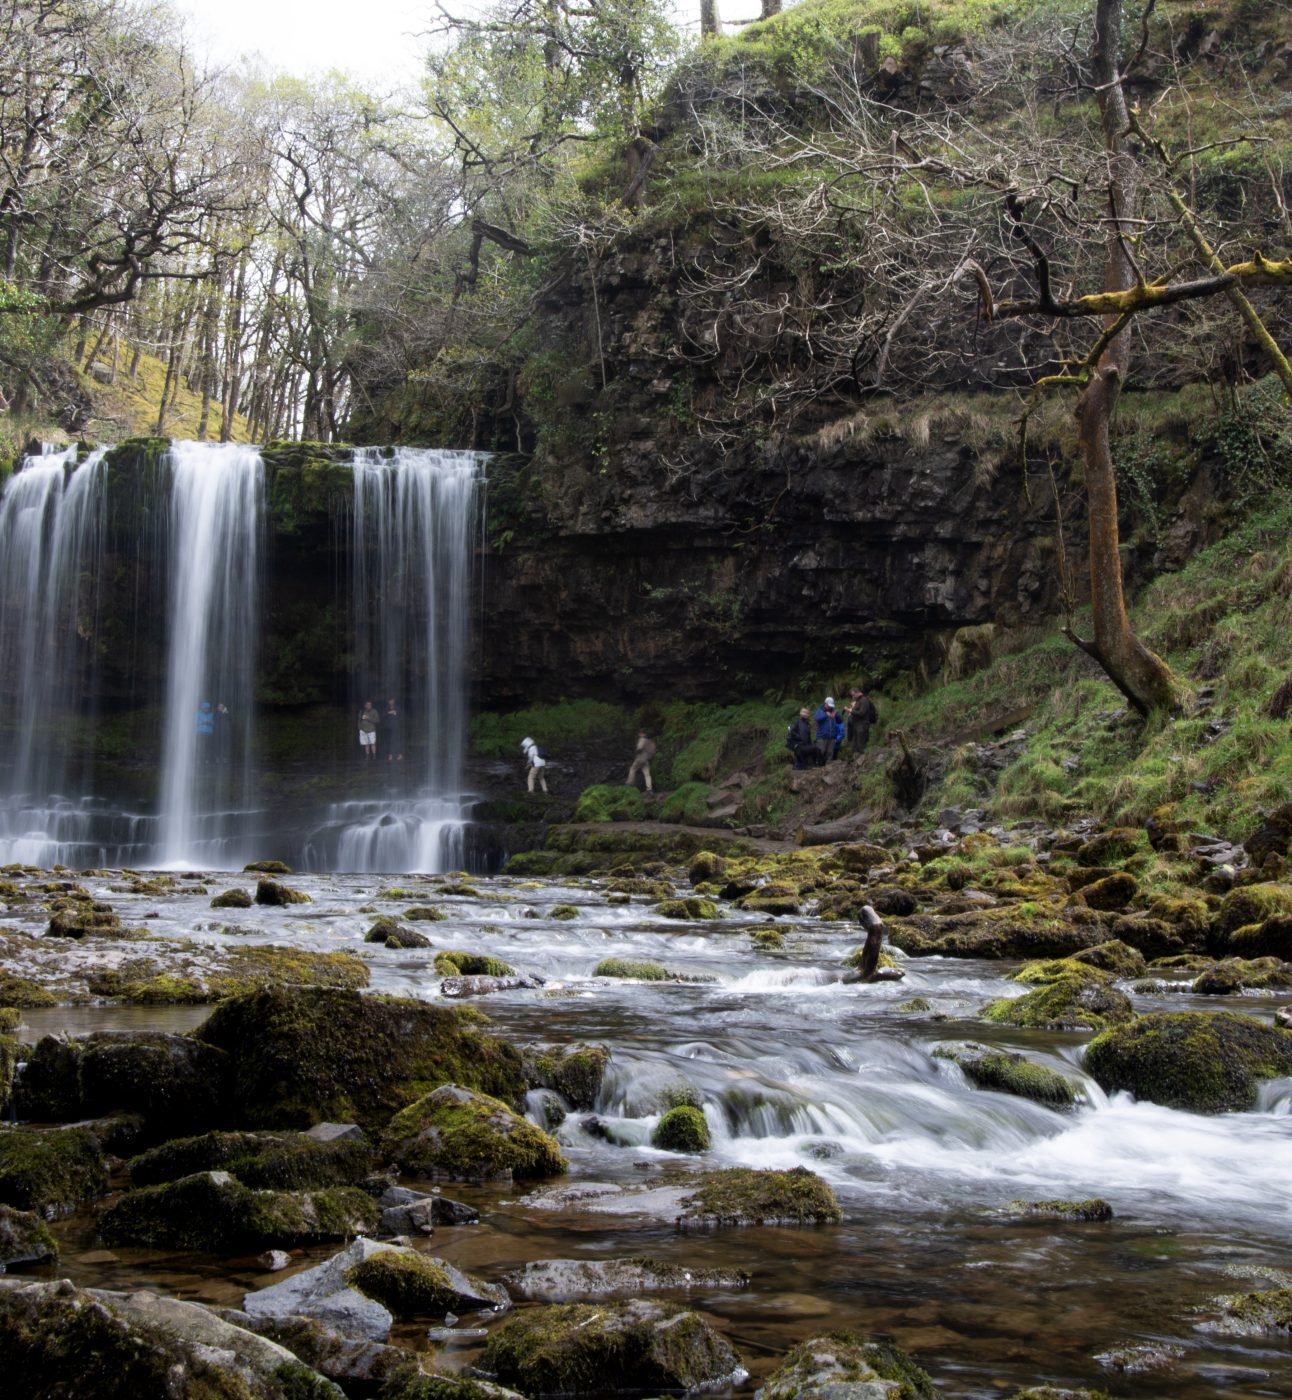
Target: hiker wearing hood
[{"x": 535, "y": 763}]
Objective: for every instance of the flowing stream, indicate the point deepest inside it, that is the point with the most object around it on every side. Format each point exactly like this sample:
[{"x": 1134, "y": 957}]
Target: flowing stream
[{"x": 796, "y": 1067}]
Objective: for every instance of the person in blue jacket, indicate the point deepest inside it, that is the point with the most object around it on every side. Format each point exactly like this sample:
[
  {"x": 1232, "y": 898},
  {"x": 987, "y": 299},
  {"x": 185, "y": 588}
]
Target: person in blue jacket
[
  {"x": 205, "y": 732},
  {"x": 826, "y": 720},
  {"x": 840, "y": 729}
]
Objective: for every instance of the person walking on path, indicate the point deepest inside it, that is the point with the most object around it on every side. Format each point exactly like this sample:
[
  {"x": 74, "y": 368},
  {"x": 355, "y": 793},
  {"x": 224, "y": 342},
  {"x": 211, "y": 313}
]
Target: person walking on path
[
  {"x": 368, "y": 731},
  {"x": 861, "y": 715},
  {"x": 826, "y": 722},
  {"x": 641, "y": 760},
  {"x": 392, "y": 722},
  {"x": 798, "y": 740},
  {"x": 535, "y": 763}
]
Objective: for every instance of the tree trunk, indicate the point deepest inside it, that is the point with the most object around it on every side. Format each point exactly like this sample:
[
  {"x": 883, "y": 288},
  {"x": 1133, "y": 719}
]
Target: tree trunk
[
  {"x": 770, "y": 8},
  {"x": 710, "y": 20},
  {"x": 1140, "y": 674}
]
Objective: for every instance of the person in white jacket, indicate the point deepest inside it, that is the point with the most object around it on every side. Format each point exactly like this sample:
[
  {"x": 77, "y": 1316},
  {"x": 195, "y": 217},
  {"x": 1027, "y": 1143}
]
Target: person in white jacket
[{"x": 534, "y": 764}]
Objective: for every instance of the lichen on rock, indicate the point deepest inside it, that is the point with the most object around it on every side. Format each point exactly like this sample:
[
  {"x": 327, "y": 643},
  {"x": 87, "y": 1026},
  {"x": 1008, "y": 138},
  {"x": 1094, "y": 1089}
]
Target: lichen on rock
[
  {"x": 844, "y": 1366},
  {"x": 748, "y": 1196}
]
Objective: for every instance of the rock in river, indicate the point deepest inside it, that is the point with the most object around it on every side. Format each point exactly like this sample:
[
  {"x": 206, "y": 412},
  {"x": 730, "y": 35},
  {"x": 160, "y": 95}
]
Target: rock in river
[
  {"x": 456, "y": 1132},
  {"x": 843, "y": 1366}
]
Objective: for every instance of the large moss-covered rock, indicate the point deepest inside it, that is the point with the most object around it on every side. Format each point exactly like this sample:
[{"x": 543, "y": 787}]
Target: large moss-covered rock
[
  {"x": 843, "y": 1366},
  {"x": 577, "y": 1348},
  {"x": 748, "y": 1196},
  {"x": 693, "y": 907},
  {"x": 1256, "y": 1314},
  {"x": 456, "y": 1132},
  {"x": 172, "y": 1080},
  {"x": 1205, "y": 1062},
  {"x": 302, "y": 1055},
  {"x": 1010, "y": 1073},
  {"x": 1111, "y": 892},
  {"x": 410, "y": 1284},
  {"x": 992, "y": 933},
  {"x": 1116, "y": 957},
  {"x": 1074, "y": 998},
  {"x": 392, "y": 934},
  {"x": 58, "y": 1340},
  {"x": 576, "y": 1072},
  {"x": 24, "y": 1238},
  {"x": 211, "y": 1210},
  {"x": 1251, "y": 904},
  {"x": 51, "y": 1172},
  {"x": 452, "y": 963},
  {"x": 1270, "y": 939},
  {"x": 682, "y": 1129},
  {"x": 638, "y": 971},
  {"x": 274, "y": 892},
  {"x": 283, "y": 1161}
]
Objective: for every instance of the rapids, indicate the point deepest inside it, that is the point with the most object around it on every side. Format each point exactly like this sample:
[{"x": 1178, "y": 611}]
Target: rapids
[{"x": 796, "y": 1067}]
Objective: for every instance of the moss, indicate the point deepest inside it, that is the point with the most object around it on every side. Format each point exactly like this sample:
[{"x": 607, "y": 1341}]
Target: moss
[
  {"x": 575, "y": 1072},
  {"x": 24, "y": 1238},
  {"x": 527, "y": 863},
  {"x": 1110, "y": 847},
  {"x": 266, "y": 867},
  {"x": 836, "y": 1363},
  {"x": 768, "y": 938},
  {"x": 687, "y": 805},
  {"x": 50, "y": 1172},
  {"x": 1073, "y": 1000},
  {"x": 410, "y": 1284},
  {"x": 693, "y": 907},
  {"x": 1010, "y": 1073},
  {"x": 267, "y": 966},
  {"x": 211, "y": 1210},
  {"x": 642, "y": 971},
  {"x": 1253, "y": 904},
  {"x": 1114, "y": 956},
  {"x": 604, "y": 802},
  {"x": 232, "y": 899},
  {"x": 424, "y": 913},
  {"x": 392, "y": 934},
  {"x": 770, "y": 899},
  {"x": 682, "y": 1129},
  {"x": 1203, "y": 1062},
  {"x": 1092, "y": 1209},
  {"x": 916, "y": 1004},
  {"x": 1252, "y": 1314},
  {"x": 563, "y": 912},
  {"x": 1273, "y": 938},
  {"x": 23, "y": 992},
  {"x": 1110, "y": 892},
  {"x": 707, "y": 868},
  {"x": 274, "y": 892},
  {"x": 98, "y": 921},
  {"x": 305, "y": 1055},
  {"x": 573, "y": 1348},
  {"x": 287, "y": 1161},
  {"x": 459, "y": 964},
  {"x": 746, "y": 1196},
  {"x": 469, "y": 1136}
]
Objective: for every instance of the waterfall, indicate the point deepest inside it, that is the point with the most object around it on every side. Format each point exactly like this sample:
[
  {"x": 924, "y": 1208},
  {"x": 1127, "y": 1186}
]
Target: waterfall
[
  {"x": 51, "y": 540},
  {"x": 415, "y": 517},
  {"x": 213, "y": 545}
]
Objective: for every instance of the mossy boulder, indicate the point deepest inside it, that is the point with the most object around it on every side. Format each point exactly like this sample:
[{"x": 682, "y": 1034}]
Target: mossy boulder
[
  {"x": 563, "y": 912},
  {"x": 1111, "y": 892},
  {"x": 773, "y": 899},
  {"x": 1109, "y": 847},
  {"x": 1236, "y": 975},
  {"x": 1050, "y": 932},
  {"x": 693, "y": 907},
  {"x": 861, "y": 856},
  {"x": 410, "y": 1284},
  {"x": 580, "y": 1348},
  {"x": 1075, "y": 998},
  {"x": 1270, "y": 939},
  {"x": 22, "y": 991},
  {"x": 575, "y": 1072},
  {"x": 175, "y": 1082},
  {"x": 424, "y": 914},
  {"x": 1010, "y": 1073},
  {"x": 50, "y": 1172},
  {"x": 24, "y": 1238},
  {"x": 303, "y": 1055},
  {"x": 706, "y": 868},
  {"x": 1154, "y": 938},
  {"x": 748, "y": 1196},
  {"x": 267, "y": 867},
  {"x": 460, "y": 964},
  {"x": 916, "y": 1004},
  {"x": 392, "y": 934},
  {"x": 1251, "y": 904},
  {"x": 1256, "y": 1314},
  {"x": 274, "y": 892},
  {"x": 1190, "y": 916},
  {"x": 232, "y": 899},
  {"x": 82, "y": 919},
  {"x": 638, "y": 971},
  {"x": 682, "y": 1129},
  {"x": 1114, "y": 956},
  {"x": 468, "y": 1136},
  {"x": 1093, "y": 1208},
  {"x": 283, "y": 1161},
  {"x": 60, "y": 1341},
  {"x": 1203, "y": 1062},
  {"x": 844, "y": 1366},
  {"x": 607, "y": 802},
  {"x": 213, "y": 1211}
]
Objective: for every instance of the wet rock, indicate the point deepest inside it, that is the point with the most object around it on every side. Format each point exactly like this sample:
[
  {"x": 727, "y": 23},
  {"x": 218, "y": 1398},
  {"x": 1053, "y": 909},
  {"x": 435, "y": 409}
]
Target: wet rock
[
  {"x": 283, "y": 1161},
  {"x": 747, "y": 1196},
  {"x": 411, "y": 1284},
  {"x": 50, "y": 1171},
  {"x": 407, "y": 1212},
  {"x": 692, "y": 908},
  {"x": 575, "y": 1348},
  {"x": 1112, "y": 892},
  {"x": 360, "y": 1367},
  {"x": 631, "y": 970},
  {"x": 460, "y": 964},
  {"x": 323, "y": 1294},
  {"x": 1236, "y": 975},
  {"x": 1072, "y": 998},
  {"x": 24, "y": 1238},
  {"x": 568, "y": 1280},
  {"x": 892, "y": 900},
  {"x": 175, "y": 1082},
  {"x": 274, "y": 1261},
  {"x": 456, "y": 1132},
  {"x": 862, "y": 856},
  {"x": 1255, "y": 1314},
  {"x": 424, "y": 914},
  {"x": 1250, "y": 904},
  {"x": 211, "y": 1210},
  {"x": 266, "y": 867},
  {"x": 1139, "y": 1358},
  {"x": 274, "y": 892},
  {"x": 1154, "y": 938},
  {"x": 707, "y": 868},
  {"x": 1283, "y": 1017},
  {"x": 1056, "y": 1392},
  {"x": 1204, "y": 1062},
  {"x": 84, "y": 919},
  {"x": 302, "y": 1054},
  {"x": 998, "y": 933},
  {"x": 1272, "y": 938},
  {"x": 916, "y": 1004},
  {"x": 1273, "y": 836},
  {"x": 576, "y": 1072},
  {"x": 232, "y": 899},
  {"x": 843, "y": 1366},
  {"x": 458, "y": 987},
  {"x": 1114, "y": 956},
  {"x": 1010, "y": 1073},
  {"x": 142, "y": 1344},
  {"x": 682, "y": 1129},
  {"x": 1092, "y": 1209},
  {"x": 393, "y": 934}
]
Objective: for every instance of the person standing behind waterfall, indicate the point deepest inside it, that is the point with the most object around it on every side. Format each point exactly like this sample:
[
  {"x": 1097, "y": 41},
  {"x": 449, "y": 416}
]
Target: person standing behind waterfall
[
  {"x": 534, "y": 763},
  {"x": 223, "y": 736},
  {"x": 392, "y": 722},
  {"x": 368, "y": 730},
  {"x": 205, "y": 732}
]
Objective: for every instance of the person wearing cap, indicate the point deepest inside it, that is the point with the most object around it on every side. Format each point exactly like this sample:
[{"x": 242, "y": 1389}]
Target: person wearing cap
[
  {"x": 534, "y": 764},
  {"x": 826, "y": 722},
  {"x": 641, "y": 760}
]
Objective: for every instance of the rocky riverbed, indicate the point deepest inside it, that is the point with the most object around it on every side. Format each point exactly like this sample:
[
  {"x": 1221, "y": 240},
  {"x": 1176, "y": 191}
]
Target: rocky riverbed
[{"x": 1047, "y": 1142}]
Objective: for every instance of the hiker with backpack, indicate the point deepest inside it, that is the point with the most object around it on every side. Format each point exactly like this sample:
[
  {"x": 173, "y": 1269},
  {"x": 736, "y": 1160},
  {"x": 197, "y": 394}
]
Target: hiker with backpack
[
  {"x": 798, "y": 739},
  {"x": 641, "y": 760},
  {"x": 535, "y": 763},
  {"x": 861, "y": 715}
]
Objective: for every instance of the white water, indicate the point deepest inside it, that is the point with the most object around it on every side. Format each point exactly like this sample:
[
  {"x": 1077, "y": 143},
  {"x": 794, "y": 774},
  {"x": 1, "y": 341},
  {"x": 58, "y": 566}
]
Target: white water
[
  {"x": 416, "y": 512},
  {"x": 216, "y": 510}
]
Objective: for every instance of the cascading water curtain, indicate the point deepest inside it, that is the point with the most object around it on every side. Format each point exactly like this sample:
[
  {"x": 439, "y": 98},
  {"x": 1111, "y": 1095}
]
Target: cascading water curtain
[
  {"x": 214, "y": 528},
  {"x": 51, "y": 542}
]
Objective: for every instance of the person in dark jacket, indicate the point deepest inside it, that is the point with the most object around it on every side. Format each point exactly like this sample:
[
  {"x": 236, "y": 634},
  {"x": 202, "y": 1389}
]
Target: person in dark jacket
[
  {"x": 392, "y": 725},
  {"x": 861, "y": 715},
  {"x": 826, "y": 721},
  {"x": 799, "y": 741}
]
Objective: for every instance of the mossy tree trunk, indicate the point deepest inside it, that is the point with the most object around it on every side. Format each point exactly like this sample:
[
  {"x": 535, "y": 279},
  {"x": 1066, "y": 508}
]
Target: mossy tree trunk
[{"x": 1140, "y": 674}]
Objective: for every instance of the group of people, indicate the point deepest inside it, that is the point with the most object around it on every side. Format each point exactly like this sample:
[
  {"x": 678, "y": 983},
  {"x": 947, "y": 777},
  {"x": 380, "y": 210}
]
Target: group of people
[
  {"x": 819, "y": 739},
  {"x": 388, "y": 724}
]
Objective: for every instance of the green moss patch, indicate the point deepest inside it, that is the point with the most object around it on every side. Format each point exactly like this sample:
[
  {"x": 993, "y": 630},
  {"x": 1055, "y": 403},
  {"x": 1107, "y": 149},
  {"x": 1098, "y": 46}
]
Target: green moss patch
[
  {"x": 460, "y": 964},
  {"x": 836, "y": 1363},
  {"x": 606, "y": 802},
  {"x": 1073, "y": 1000},
  {"x": 283, "y": 1161},
  {"x": 50, "y": 1172},
  {"x": 415, "y": 1285},
  {"x": 630, "y": 969},
  {"x": 693, "y": 908},
  {"x": 455, "y": 1132},
  {"x": 575, "y": 1072},
  {"x": 1010, "y": 1073},
  {"x": 682, "y": 1129},
  {"x": 1092, "y": 1209},
  {"x": 747, "y": 1196}
]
